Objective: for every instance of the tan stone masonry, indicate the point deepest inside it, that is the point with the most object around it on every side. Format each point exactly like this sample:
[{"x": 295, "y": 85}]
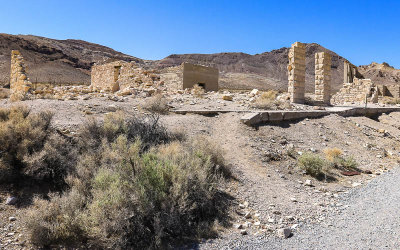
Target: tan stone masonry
[
  {"x": 323, "y": 77},
  {"x": 297, "y": 72},
  {"x": 19, "y": 82}
]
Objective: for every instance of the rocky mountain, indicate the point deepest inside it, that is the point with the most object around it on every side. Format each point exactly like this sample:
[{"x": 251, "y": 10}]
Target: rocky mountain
[
  {"x": 55, "y": 61},
  {"x": 381, "y": 73},
  {"x": 69, "y": 61}
]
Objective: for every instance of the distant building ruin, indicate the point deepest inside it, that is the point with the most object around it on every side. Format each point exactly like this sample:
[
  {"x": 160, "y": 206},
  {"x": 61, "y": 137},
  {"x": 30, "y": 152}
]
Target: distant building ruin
[
  {"x": 20, "y": 85},
  {"x": 205, "y": 77}
]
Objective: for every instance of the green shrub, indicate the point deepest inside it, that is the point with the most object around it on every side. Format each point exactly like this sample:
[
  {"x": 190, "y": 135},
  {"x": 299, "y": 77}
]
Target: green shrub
[
  {"x": 346, "y": 163},
  {"x": 313, "y": 164},
  {"x": 134, "y": 187}
]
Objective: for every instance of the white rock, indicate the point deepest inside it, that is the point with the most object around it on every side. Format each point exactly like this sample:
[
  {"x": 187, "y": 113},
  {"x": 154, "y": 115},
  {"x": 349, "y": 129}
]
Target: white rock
[
  {"x": 308, "y": 183},
  {"x": 243, "y": 232},
  {"x": 11, "y": 200},
  {"x": 12, "y": 218},
  {"x": 254, "y": 92}
]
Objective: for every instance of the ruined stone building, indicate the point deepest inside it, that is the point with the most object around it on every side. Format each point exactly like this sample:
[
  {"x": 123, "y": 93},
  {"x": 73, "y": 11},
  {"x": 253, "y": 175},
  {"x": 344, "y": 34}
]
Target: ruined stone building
[
  {"x": 20, "y": 85},
  {"x": 119, "y": 75},
  {"x": 205, "y": 77}
]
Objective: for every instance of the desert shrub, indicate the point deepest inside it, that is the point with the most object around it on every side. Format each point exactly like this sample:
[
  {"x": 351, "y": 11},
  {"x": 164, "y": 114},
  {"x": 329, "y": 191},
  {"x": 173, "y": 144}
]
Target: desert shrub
[
  {"x": 133, "y": 191},
  {"x": 313, "y": 164},
  {"x": 198, "y": 91},
  {"x": 31, "y": 150},
  {"x": 156, "y": 104},
  {"x": 337, "y": 160},
  {"x": 347, "y": 163},
  {"x": 332, "y": 153},
  {"x": 267, "y": 100},
  {"x": 147, "y": 128}
]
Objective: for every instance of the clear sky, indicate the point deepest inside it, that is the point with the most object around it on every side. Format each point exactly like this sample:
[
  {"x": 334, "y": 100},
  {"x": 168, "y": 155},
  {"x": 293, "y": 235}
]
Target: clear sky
[{"x": 361, "y": 31}]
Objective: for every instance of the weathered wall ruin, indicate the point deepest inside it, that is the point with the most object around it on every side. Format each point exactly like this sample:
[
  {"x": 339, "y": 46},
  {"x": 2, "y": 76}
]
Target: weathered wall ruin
[
  {"x": 19, "y": 82},
  {"x": 297, "y": 72},
  {"x": 323, "y": 77},
  {"x": 205, "y": 77},
  {"x": 389, "y": 90},
  {"x": 357, "y": 92},
  {"x": 120, "y": 75}
]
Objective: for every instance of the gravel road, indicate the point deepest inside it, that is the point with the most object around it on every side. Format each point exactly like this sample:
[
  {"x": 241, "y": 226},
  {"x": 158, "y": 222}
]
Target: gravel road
[{"x": 368, "y": 218}]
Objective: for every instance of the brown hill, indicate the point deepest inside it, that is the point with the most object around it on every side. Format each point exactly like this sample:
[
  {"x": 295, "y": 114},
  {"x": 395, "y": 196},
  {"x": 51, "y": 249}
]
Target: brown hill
[
  {"x": 381, "y": 73},
  {"x": 59, "y": 61},
  {"x": 266, "y": 70}
]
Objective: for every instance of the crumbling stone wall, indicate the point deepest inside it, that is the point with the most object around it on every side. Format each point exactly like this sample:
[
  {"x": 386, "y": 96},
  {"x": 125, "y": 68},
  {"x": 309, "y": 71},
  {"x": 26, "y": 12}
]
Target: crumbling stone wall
[
  {"x": 120, "y": 75},
  {"x": 20, "y": 85},
  {"x": 206, "y": 77},
  {"x": 350, "y": 72},
  {"x": 357, "y": 92},
  {"x": 323, "y": 63},
  {"x": 389, "y": 90},
  {"x": 297, "y": 72}
]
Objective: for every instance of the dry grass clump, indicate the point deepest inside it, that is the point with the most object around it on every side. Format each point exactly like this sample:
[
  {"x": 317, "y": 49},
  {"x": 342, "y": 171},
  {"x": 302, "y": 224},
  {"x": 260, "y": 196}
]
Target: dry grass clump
[
  {"x": 31, "y": 150},
  {"x": 198, "y": 91},
  {"x": 135, "y": 186},
  {"x": 332, "y": 153},
  {"x": 321, "y": 168},
  {"x": 267, "y": 100},
  {"x": 156, "y": 104},
  {"x": 337, "y": 160}
]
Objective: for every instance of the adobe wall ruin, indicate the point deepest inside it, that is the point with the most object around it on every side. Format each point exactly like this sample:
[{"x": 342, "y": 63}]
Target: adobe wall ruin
[
  {"x": 206, "y": 77},
  {"x": 323, "y": 63},
  {"x": 120, "y": 75},
  {"x": 297, "y": 72},
  {"x": 20, "y": 85}
]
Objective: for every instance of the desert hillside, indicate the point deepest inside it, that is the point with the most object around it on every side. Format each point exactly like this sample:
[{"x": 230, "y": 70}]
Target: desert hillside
[
  {"x": 266, "y": 70},
  {"x": 69, "y": 61},
  {"x": 381, "y": 73},
  {"x": 50, "y": 60}
]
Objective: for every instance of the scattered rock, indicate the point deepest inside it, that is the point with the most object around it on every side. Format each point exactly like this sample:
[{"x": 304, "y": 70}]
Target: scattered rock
[
  {"x": 308, "y": 183},
  {"x": 284, "y": 232},
  {"x": 227, "y": 97},
  {"x": 243, "y": 232},
  {"x": 11, "y": 200},
  {"x": 12, "y": 218}
]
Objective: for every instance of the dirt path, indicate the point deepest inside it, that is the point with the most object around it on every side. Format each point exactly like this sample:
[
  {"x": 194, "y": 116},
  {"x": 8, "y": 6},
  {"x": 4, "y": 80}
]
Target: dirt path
[{"x": 368, "y": 219}]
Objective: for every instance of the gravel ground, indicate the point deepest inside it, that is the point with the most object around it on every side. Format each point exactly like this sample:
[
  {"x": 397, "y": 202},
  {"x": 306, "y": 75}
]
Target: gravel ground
[{"x": 368, "y": 219}]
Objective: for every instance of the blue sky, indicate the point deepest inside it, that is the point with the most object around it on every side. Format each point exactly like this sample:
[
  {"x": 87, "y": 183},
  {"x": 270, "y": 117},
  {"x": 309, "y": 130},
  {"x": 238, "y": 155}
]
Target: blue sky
[{"x": 361, "y": 31}]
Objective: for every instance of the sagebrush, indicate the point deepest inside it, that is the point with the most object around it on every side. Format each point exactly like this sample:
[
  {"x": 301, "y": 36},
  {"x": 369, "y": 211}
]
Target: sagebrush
[
  {"x": 31, "y": 151},
  {"x": 135, "y": 185}
]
